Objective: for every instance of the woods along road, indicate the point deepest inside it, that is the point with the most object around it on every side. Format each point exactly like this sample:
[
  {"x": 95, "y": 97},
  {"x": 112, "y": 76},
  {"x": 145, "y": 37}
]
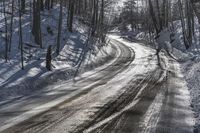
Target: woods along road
[{"x": 130, "y": 94}]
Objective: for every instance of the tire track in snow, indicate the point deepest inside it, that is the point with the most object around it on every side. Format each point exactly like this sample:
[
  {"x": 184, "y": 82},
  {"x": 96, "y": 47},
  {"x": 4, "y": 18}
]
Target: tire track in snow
[{"x": 120, "y": 64}]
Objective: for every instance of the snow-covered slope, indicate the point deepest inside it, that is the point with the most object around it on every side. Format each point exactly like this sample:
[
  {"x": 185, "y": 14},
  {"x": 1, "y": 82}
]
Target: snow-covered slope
[
  {"x": 76, "y": 56},
  {"x": 189, "y": 61}
]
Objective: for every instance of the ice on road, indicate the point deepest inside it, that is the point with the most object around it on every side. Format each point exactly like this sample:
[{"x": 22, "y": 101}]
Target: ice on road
[{"x": 129, "y": 94}]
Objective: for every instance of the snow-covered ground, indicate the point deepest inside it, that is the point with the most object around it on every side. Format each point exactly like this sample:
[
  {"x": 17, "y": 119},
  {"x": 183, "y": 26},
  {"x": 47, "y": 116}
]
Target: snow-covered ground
[
  {"x": 75, "y": 56},
  {"x": 191, "y": 70},
  {"x": 190, "y": 65},
  {"x": 102, "y": 92},
  {"x": 189, "y": 61},
  {"x": 118, "y": 92},
  {"x": 17, "y": 85},
  {"x": 58, "y": 92},
  {"x": 48, "y": 96}
]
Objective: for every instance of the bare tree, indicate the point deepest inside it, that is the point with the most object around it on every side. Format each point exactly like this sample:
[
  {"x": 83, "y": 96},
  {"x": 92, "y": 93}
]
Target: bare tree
[
  {"x": 36, "y": 29},
  {"x": 6, "y": 31},
  {"x": 59, "y": 27},
  {"x": 20, "y": 34}
]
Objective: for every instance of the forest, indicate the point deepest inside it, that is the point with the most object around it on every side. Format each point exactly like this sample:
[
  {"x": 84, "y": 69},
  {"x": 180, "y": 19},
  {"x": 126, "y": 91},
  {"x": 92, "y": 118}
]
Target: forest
[
  {"x": 100, "y": 66},
  {"x": 101, "y": 16}
]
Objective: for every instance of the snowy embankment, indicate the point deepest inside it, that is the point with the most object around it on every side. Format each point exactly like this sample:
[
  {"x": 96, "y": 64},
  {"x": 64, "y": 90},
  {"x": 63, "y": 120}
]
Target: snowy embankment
[
  {"x": 19, "y": 83},
  {"x": 53, "y": 94},
  {"x": 190, "y": 66},
  {"x": 191, "y": 71},
  {"x": 75, "y": 57},
  {"x": 189, "y": 61}
]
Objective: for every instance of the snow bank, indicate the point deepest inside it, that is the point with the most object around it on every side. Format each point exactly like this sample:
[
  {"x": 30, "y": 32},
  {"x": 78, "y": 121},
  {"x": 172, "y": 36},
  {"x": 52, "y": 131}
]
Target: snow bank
[
  {"x": 75, "y": 56},
  {"x": 189, "y": 59},
  {"x": 190, "y": 66}
]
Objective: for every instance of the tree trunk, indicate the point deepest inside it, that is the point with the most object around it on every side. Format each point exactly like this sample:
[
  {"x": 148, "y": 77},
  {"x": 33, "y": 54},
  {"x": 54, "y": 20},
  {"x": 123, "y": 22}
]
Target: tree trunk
[
  {"x": 48, "y": 58},
  {"x": 11, "y": 25},
  {"x": 20, "y": 36},
  {"x": 70, "y": 15},
  {"x": 36, "y": 29},
  {"x": 152, "y": 13},
  {"x": 6, "y": 31},
  {"x": 59, "y": 27},
  {"x": 196, "y": 7},
  {"x": 23, "y": 5},
  {"x": 183, "y": 24}
]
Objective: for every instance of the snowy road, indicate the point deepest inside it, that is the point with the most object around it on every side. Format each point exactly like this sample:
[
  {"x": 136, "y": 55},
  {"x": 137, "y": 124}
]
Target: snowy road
[{"x": 128, "y": 95}]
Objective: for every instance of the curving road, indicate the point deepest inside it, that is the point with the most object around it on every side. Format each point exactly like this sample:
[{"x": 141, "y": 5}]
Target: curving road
[{"x": 130, "y": 94}]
